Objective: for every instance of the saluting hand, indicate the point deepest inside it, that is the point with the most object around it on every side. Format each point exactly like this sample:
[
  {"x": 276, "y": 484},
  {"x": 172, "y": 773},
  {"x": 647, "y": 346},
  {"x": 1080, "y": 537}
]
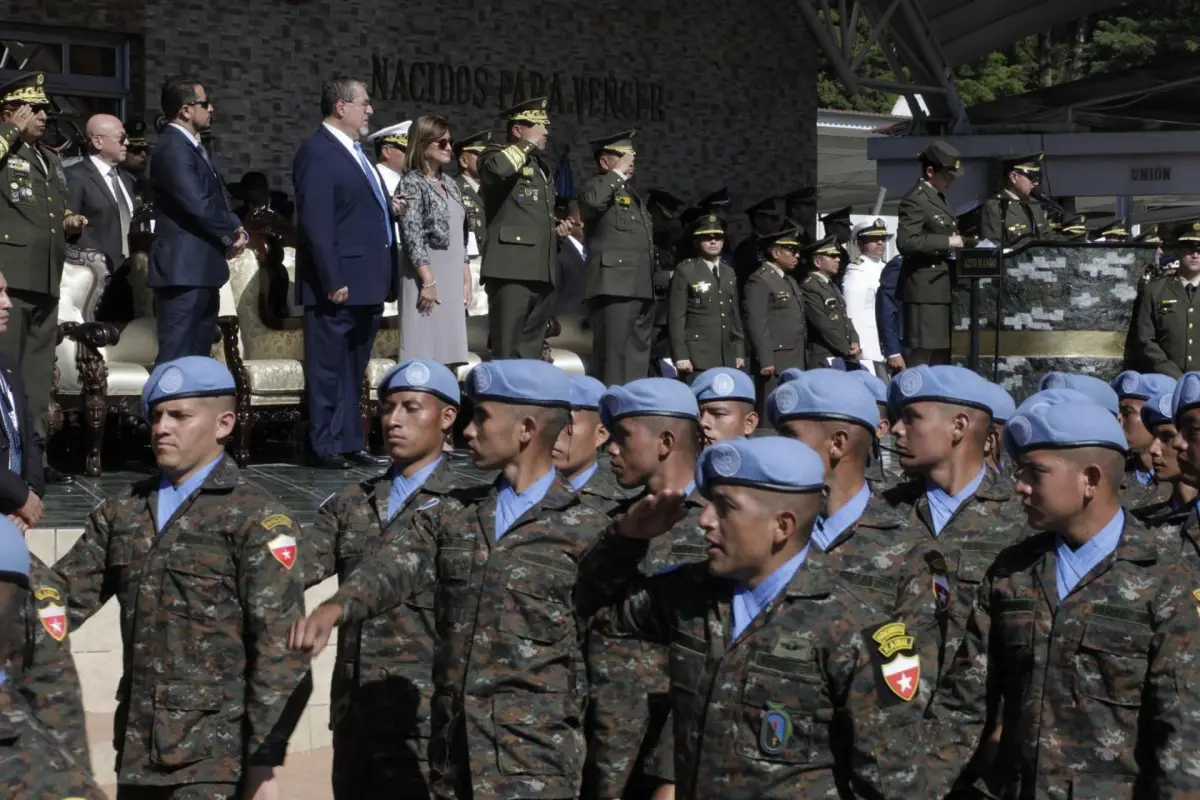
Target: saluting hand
[
  {"x": 312, "y": 634},
  {"x": 23, "y": 118},
  {"x": 652, "y": 516}
]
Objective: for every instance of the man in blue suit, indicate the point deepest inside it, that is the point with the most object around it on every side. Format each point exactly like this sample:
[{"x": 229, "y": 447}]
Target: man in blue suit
[
  {"x": 195, "y": 229},
  {"x": 345, "y": 270},
  {"x": 889, "y": 317}
]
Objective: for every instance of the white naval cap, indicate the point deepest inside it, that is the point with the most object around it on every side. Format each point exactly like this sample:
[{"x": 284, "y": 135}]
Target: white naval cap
[{"x": 393, "y": 134}]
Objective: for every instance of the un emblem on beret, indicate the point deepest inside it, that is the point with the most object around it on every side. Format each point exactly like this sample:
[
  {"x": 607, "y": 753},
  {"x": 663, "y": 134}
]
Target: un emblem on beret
[
  {"x": 483, "y": 378},
  {"x": 1055, "y": 380},
  {"x": 910, "y": 383},
  {"x": 416, "y": 374},
  {"x": 1129, "y": 384},
  {"x": 171, "y": 380},
  {"x": 1020, "y": 431},
  {"x": 786, "y": 398},
  {"x": 725, "y": 461},
  {"x": 1191, "y": 389},
  {"x": 1165, "y": 406},
  {"x": 723, "y": 385}
]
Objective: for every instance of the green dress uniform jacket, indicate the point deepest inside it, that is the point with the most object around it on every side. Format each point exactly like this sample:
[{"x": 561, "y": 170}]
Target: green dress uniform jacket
[
  {"x": 619, "y": 239},
  {"x": 1162, "y": 334},
  {"x": 1024, "y": 220},
  {"x": 1099, "y": 691},
  {"x": 383, "y": 677},
  {"x": 704, "y": 323},
  {"x": 830, "y": 331},
  {"x": 476, "y": 218},
  {"x": 774, "y": 305},
  {"x": 923, "y": 238},
  {"x": 518, "y": 200},
  {"x": 209, "y": 686},
  {"x": 34, "y": 191}
]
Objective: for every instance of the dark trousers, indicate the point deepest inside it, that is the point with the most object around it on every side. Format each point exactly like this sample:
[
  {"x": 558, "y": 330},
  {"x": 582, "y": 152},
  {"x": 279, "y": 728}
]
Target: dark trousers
[
  {"x": 337, "y": 346},
  {"x": 621, "y": 332},
  {"x": 30, "y": 340},
  {"x": 517, "y": 316},
  {"x": 930, "y": 357},
  {"x": 185, "y": 321},
  {"x": 194, "y": 791}
]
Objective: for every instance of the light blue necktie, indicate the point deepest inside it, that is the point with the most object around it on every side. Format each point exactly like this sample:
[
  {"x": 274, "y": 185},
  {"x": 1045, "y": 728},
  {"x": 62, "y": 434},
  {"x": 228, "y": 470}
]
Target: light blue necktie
[{"x": 370, "y": 175}]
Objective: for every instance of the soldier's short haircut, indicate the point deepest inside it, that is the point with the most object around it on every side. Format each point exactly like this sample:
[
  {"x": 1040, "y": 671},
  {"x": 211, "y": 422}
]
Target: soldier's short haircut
[
  {"x": 178, "y": 91},
  {"x": 861, "y": 439},
  {"x": 806, "y": 507},
  {"x": 1111, "y": 463},
  {"x": 551, "y": 419},
  {"x": 687, "y": 431},
  {"x": 339, "y": 87}
]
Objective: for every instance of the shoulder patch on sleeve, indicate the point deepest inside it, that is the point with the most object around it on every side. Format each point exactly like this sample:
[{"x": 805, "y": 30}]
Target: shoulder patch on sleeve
[
  {"x": 276, "y": 520},
  {"x": 895, "y": 663},
  {"x": 46, "y": 593},
  {"x": 54, "y": 619},
  {"x": 283, "y": 547}
]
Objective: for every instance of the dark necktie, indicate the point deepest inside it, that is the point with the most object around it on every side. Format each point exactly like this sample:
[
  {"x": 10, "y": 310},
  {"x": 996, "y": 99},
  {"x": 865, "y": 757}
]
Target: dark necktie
[
  {"x": 1191, "y": 291},
  {"x": 123, "y": 210},
  {"x": 8, "y": 411}
]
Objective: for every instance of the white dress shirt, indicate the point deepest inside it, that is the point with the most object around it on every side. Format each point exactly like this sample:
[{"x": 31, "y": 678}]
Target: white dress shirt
[
  {"x": 195, "y": 139},
  {"x": 391, "y": 178},
  {"x": 349, "y": 144},
  {"x": 105, "y": 170}
]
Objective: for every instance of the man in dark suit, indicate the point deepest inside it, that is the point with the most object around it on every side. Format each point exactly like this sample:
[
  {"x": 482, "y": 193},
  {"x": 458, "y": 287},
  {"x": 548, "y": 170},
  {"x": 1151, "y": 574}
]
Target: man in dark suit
[
  {"x": 196, "y": 230},
  {"x": 21, "y": 477},
  {"x": 889, "y": 316},
  {"x": 568, "y": 275},
  {"x": 104, "y": 193},
  {"x": 345, "y": 270}
]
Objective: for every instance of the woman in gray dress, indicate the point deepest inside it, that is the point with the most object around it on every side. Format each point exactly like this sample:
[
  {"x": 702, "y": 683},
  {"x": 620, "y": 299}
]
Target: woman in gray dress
[{"x": 434, "y": 270}]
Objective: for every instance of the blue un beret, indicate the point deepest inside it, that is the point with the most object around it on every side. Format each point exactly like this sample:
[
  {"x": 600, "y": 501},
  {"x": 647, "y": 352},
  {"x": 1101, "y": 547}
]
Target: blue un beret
[
  {"x": 941, "y": 384},
  {"x": 1100, "y": 392},
  {"x": 421, "y": 375},
  {"x": 1140, "y": 386},
  {"x": 648, "y": 397},
  {"x": 1002, "y": 404},
  {"x": 823, "y": 394},
  {"x": 723, "y": 383},
  {"x": 1159, "y": 410},
  {"x": 774, "y": 463},
  {"x": 1047, "y": 421},
  {"x": 520, "y": 381},
  {"x": 190, "y": 376},
  {"x": 14, "y": 554},
  {"x": 874, "y": 384},
  {"x": 1187, "y": 394},
  {"x": 789, "y": 374},
  {"x": 1054, "y": 396},
  {"x": 586, "y": 392}
]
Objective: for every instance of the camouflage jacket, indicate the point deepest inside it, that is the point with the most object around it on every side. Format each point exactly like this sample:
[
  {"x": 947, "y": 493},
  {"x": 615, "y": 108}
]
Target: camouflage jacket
[
  {"x": 383, "y": 677},
  {"x": 32, "y": 762},
  {"x": 509, "y": 672},
  {"x": 1135, "y": 494},
  {"x": 816, "y": 695},
  {"x": 209, "y": 685},
  {"x": 42, "y": 672},
  {"x": 1100, "y": 692},
  {"x": 602, "y": 492},
  {"x": 984, "y": 525}
]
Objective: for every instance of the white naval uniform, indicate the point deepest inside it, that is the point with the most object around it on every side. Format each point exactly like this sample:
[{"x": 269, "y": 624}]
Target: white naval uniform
[{"x": 859, "y": 286}]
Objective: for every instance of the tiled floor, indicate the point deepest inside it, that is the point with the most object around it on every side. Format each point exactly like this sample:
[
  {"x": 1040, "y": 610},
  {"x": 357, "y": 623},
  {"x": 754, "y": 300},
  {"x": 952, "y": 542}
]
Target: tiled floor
[{"x": 302, "y": 489}]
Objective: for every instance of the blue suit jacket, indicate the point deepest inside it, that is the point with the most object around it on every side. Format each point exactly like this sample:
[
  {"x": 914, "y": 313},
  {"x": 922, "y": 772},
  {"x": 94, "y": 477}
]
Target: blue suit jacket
[
  {"x": 194, "y": 225},
  {"x": 342, "y": 228},
  {"x": 889, "y": 317}
]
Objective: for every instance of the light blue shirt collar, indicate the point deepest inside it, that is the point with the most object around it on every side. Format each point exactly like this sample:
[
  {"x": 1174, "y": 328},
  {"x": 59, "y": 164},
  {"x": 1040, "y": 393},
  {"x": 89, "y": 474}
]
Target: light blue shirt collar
[
  {"x": 510, "y": 505},
  {"x": 580, "y": 480},
  {"x": 403, "y": 488},
  {"x": 687, "y": 490},
  {"x": 942, "y": 506},
  {"x": 749, "y": 603},
  {"x": 1145, "y": 478},
  {"x": 171, "y": 497},
  {"x": 828, "y": 529},
  {"x": 1072, "y": 565}
]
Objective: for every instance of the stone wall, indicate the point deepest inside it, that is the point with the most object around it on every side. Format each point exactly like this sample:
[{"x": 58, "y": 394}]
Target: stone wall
[{"x": 723, "y": 94}]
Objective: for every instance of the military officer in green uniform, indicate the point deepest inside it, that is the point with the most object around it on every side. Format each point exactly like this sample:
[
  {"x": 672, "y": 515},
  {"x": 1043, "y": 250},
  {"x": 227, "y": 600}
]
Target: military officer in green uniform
[
  {"x": 467, "y": 151},
  {"x": 1024, "y": 218},
  {"x": 517, "y": 188},
  {"x": 34, "y": 221},
  {"x": 774, "y": 309},
  {"x": 749, "y": 254},
  {"x": 1074, "y": 229},
  {"x": 1162, "y": 334},
  {"x": 618, "y": 281},
  {"x": 927, "y": 237},
  {"x": 831, "y": 334},
  {"x": 704, "y": 323}
]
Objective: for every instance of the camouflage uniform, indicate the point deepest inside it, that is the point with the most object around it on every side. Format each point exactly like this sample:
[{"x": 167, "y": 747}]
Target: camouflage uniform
[
  {"x": 810, "y": 654},
  {"x": 43, "y": 672},
  {"x": 629, "y": 711},
  {"x": 33, "y": 765},
  {"x": 383, "y": 677},
  {"x": 602, "y": 492},
  {"x": 209, "y": 685},
  {"x": 1100, "y": 692},
  {"x": 509, "y": 675}
]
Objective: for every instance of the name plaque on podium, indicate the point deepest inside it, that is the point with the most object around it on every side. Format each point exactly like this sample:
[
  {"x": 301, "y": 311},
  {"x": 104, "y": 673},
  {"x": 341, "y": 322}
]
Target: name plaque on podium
[{"x": 982, "y": 262}]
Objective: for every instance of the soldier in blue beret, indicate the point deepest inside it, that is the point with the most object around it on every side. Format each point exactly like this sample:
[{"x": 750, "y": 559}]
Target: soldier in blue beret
[
  {"x": 785, "y": 680},
  {"x": 575, "y": 452},
  {"x": 967, "y": 513},
  {"x": 1174, "y": 513},
  {"x": 887, "y": 471},
  {"x": 382, "y": 683},
  {"x": 655, "y": 430},
  {"x": 727, "y": 398},
  {"x": 1185, "y": 403},
  {"x": 1097, "y": 390},
  {"x": 1087, "y": 628},
  {"x": 222, "y": 578},
  {"x": 1002, "y": 407},
  {"x": 1133, "y": 389},
  {"x": 500, "y": 558}
]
